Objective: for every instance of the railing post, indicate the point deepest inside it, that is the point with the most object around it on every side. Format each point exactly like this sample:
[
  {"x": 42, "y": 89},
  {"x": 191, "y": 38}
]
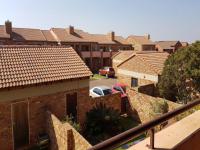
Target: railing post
[{"x": 152, "y": 138}]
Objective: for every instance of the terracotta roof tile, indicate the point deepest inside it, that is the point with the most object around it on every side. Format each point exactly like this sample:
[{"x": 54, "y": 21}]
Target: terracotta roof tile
[
  {"x": 21, "y": 34},
  {"x": 48, "y": 36},
  {"x": 123, "y": 55},
  {"x": 60, "y": 35},
  {"x": 155, "y": 59},
  {"x": 63, "y": 35},
  {"x": 22, "y": 65},
  {"x": 167, "y": 44},
  {"x": 103, "y": 39},
  {"x": 141, "y": 39}
]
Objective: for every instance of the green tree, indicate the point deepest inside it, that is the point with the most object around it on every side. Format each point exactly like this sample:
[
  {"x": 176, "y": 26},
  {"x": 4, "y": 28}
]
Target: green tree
[
  {"x": 180, "y": 79},
  {"x": 102, "y": 123}
]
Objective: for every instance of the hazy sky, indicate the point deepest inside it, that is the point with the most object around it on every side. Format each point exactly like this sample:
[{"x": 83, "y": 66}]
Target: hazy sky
[{"x": 163, "y": 19}]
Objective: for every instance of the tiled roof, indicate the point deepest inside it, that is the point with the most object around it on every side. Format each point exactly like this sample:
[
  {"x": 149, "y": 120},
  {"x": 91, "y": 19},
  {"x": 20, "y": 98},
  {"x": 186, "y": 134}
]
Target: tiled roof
[
  {"x": 26, "y": 65},
  {"x": 59, "y": 35},
  {"x": 121, "y": 40},
  {"x": 64, "y": 36},
  {"x": 101, "y": 38},
  {"x": 140, "y": 39},
  {"x": 104, "y": 39},
  {"x": 167, "y": 44},
  {"x": 48, "y": 36},
  {"x": 123, "y": 55},
  {"x": 155, "y": 60},
  {"x": 21, "y": 34}
]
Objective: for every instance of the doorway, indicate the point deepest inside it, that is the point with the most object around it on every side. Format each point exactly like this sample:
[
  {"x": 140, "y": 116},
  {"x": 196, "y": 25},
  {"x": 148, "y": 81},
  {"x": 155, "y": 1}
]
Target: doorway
[
  {"x": 20, "y": 124},
  {"x": 71, "y": 102}
]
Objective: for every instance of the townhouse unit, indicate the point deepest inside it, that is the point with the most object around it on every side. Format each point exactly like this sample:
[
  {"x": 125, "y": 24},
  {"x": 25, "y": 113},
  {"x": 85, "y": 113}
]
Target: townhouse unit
[
  {"x": 168, "y": 46},
  {"x": 34, "y": 80},
  {"x": 141, "y": 71},
  {"x": 95, "y": 49},
  {"x": 141, "y": 43}
]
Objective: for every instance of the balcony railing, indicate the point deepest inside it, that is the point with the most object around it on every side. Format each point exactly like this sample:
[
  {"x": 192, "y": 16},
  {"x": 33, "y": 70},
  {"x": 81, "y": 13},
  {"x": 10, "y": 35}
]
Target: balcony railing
[{"x": 149, "y": 126}]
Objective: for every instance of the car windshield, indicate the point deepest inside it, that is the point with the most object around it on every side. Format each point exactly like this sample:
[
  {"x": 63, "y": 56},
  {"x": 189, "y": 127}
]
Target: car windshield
[
  {"x": 118, "y": 88},
  {"x": 107, "y": 91}
]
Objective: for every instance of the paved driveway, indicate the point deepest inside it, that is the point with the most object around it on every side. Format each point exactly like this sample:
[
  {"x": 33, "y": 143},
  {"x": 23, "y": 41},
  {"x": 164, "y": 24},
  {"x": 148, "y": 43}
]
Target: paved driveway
[{"x": 107, "y": 82}]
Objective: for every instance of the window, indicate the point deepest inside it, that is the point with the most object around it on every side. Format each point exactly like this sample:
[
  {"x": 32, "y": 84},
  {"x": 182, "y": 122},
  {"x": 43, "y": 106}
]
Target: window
[
  {"x": 97, "y": 91},
  {"x": 134, "y": 82}
]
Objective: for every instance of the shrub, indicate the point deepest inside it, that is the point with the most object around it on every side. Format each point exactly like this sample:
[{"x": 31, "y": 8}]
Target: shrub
[
  {"x": 160, "y": 107},
  {"x": 102, "y": 123}
]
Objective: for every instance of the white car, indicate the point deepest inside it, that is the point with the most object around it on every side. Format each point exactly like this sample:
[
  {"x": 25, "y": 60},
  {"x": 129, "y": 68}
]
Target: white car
[{"x": 100, "y": 91}]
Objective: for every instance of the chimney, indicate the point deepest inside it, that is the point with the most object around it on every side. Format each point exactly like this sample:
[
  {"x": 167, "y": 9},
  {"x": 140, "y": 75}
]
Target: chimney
[
  {"x": 8, "y": 27},
  {"x": 147, "y": 36},
  {"x": 71, "y": 30},
  {"x": 111, "y": 36}
]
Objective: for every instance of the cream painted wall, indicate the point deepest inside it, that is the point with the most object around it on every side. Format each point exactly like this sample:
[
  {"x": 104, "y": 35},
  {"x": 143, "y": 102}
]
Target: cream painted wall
[
  {"x": 15, "y": 94},
  {"x": 138, "y": 75}
]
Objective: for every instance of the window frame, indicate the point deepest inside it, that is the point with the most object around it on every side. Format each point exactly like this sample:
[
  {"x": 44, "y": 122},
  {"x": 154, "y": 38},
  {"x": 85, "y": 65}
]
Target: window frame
[{"x": 134, "y": 82}]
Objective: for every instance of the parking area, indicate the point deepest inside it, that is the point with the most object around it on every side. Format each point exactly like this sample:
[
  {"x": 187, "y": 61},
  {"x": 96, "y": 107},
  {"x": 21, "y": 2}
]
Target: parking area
[{"x": 106, "y": 82}]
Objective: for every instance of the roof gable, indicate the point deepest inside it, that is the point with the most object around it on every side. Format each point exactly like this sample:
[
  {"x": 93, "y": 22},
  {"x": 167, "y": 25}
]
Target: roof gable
[{"x": 154, "y": 60}]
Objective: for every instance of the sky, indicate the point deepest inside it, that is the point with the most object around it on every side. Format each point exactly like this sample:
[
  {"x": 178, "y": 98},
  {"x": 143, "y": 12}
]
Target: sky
[{"x": 162, "y": 19}]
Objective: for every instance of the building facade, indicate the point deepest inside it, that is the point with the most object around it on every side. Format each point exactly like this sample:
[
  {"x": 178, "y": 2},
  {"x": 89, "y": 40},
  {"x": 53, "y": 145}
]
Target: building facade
[
  {"x": 168, "y": 46},
  {"x": 35, "y": 80},
  {"x": 141, "y": 71},
  {"x": 141, "y": 43},
  {"x": 95, "y": 49}
]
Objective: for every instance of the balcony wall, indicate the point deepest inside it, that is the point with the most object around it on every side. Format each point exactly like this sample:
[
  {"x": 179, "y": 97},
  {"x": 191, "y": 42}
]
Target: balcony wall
[
  {"x": 183, "y": 135},
  {"x": 85, "y": 54},
  {"x": 106, "y": 54},
  {"x": 96, "y": 54}
]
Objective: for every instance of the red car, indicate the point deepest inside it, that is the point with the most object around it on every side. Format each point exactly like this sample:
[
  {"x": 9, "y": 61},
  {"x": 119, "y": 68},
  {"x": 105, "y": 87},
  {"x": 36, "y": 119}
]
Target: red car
[
  {"x": 107, "y": 71},
  {"x": 118, "y": 87}
]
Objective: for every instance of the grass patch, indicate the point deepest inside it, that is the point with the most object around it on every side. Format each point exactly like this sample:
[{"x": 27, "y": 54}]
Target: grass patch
[{"x": 97, "y": 77}]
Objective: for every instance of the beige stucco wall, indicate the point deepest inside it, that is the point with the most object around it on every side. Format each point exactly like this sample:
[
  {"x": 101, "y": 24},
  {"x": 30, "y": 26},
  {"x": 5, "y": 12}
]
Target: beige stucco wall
[{"x": 20, "y": 93}]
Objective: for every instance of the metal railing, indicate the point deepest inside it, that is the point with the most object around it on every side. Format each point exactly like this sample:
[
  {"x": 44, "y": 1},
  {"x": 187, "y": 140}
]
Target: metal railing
[{"x": 134, "y": 132}]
